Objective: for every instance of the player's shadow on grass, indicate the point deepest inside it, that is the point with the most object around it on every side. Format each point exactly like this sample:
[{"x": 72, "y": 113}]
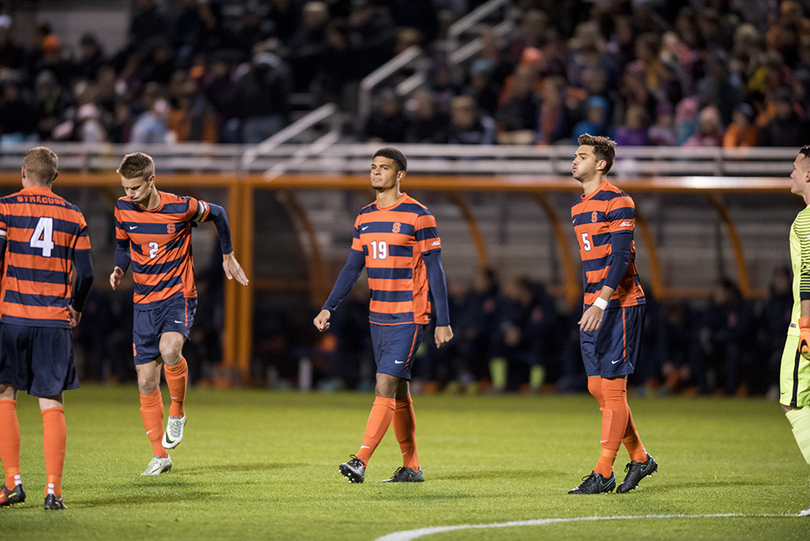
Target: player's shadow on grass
[
  {"x": 494, "y": 474},
  {"x": 140, "y": 499},
  {"x": 251, "y": 467}
]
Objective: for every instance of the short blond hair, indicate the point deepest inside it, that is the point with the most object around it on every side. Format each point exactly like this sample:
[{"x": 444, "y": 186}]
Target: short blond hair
[
  {"x": 41, "y": 165},
  {"x": 136, "y": 165}
]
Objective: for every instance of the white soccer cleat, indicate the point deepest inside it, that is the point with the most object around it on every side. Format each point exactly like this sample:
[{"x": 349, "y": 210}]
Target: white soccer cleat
[
  {"x": 174, "y": 432},
  {"x": 158, "y": 465}
]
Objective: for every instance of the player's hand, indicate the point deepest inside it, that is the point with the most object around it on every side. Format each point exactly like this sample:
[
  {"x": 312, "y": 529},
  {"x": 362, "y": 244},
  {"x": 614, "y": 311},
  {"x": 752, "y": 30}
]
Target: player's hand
[
  {"x": 804, "y": 337},
  {"x": 443, "y": 335},
  {"x": 321, "y": 321},
  {"x": 116, "y": 277},
  {"x": 233, "y": 269},
  {"x": 591, "y": 320},
  {"x": 75, "y": 317}
]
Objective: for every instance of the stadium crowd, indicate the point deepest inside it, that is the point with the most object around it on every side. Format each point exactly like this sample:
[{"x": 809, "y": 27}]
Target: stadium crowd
[{"x": 659, "y": 72}]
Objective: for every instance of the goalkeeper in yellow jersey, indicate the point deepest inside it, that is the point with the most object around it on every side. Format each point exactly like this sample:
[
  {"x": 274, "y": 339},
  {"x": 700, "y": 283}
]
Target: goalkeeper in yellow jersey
[{"x": 794, "y": 375}]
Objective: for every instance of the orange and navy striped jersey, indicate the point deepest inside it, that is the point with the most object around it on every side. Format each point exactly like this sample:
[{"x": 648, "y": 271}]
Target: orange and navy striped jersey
[
  {"x": 43, "y": 232},
  {"x": 392, "y": 240},
  {"x": 160, "y": 246},
  {"x": 606, "y": 211}
]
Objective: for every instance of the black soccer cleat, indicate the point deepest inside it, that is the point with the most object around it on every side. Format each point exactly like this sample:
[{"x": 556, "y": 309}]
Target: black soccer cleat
[
  {"x": 354, "y": 470},
  {"x": 636, "y": 472},
  {"x": 406, "y": 475},
  {"x": 53, "y": 503},
  {"x": 594, "y": 484},
  {"x": 12, "y": 497}
]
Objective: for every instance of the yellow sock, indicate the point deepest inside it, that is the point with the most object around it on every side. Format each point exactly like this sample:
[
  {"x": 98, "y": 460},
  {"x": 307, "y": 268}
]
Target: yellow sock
[
  {"x": 497, "y": 371},
  {"x": 537, "y": 375},
  {"x": 800, "y": 423}
]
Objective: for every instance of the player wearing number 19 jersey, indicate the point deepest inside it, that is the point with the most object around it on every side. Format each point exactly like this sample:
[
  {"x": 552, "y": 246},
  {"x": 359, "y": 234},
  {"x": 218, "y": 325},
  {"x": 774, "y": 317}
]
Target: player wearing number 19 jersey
[
  {"x": 396, "y": 239},
  {"x": 611, "y": 323},
  {"x": 153, "y": 230},
  {"x": 43, "y": 243}
]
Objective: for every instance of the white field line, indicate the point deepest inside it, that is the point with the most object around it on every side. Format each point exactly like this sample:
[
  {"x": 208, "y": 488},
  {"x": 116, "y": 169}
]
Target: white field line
[{"x": 407, "y": 535}]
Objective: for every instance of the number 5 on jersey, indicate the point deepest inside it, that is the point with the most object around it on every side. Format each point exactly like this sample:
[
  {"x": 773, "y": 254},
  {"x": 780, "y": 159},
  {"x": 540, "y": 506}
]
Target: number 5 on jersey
[
  {"x": 586, "y": 242},
  {"x": 42, "y": 237}
]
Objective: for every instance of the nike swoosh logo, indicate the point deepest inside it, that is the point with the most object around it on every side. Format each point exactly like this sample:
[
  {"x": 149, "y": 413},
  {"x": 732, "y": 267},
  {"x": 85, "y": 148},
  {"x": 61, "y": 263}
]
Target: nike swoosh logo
[
  {"x": 133, "y": 227},
  {"x": 365, "y": 447},
  {"x": 616, "y": 361},
  {"x": 363, "y": 228},
  {"x": 177, "y": 321},
  {"x": 148, "y": 432},
  {"x": 398, "y": 362}
]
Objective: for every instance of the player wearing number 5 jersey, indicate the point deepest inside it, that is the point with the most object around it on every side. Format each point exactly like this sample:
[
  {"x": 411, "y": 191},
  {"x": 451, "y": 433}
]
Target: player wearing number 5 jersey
[
  {"x": 396, "y": 239},
  {"x": 153, "y": 230},
  {"x": 43, "y": 242},
  {"x": 611, "y": 324}
]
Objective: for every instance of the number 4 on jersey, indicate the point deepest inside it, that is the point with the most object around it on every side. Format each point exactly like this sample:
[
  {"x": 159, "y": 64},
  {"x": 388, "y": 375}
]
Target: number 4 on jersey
[{"x": 42, "y": 238}]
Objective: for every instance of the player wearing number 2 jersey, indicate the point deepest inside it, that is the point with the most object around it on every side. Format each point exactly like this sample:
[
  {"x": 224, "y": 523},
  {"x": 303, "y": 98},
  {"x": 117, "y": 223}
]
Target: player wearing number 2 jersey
[
  {"x": 43, "y": 242},
  {"x": 396, "y": 239},
  {"x": 610, "y": 328},
  {"x": 153, "y": 230}
]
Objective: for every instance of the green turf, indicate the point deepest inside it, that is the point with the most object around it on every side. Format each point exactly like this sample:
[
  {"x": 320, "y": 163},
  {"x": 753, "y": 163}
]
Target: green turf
[{"x": 263, "y": 465}]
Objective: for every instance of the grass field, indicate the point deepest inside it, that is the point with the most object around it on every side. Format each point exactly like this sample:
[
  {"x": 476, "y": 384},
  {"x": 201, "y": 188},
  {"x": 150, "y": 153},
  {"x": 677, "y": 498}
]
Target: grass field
[{"x": 263, "y": 465}]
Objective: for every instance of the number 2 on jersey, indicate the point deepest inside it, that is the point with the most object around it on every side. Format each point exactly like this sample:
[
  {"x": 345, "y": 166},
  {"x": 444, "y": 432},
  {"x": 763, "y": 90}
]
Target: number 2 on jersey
[
  {"x": 153, "y": 250},
  {"x": 42, "y": 237}
]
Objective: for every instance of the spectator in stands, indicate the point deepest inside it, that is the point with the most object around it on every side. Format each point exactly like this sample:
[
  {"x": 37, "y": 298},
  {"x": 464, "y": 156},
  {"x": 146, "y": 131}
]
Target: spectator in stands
[
  {"x": 219, "y": 89},
  {"x": 686, "y": 119},
  {"x": 307, "y": 44},
  {"x": 596, "y": 121},
  {"x": 786, "y": 128},
  {"x": 516, "y": 118},
  {"x": 775, "y": 315},
  {"x": 191, "y": 118},
  {"x": 719, "y": 90},
  {"x": 427, "y": 124},
  {"x": 419, "y": 15},
  {"x": 662, "y": 132},
  {"x": 634, "y": 132},
  {"x": 151, "y": 128},
  {"x": 52, "y": 59},
  {"x": 387, "y": 121},
  {"x": 531, "y": 32},
  {"x": 12, "y": 56},
  {"x": 476, "y": 323},
  {"x": 709, "y": 132},
  {"x": 185, "y": 30},
  {"x": 726, "y": 338},
  {"x": 467, "y": 125},
  {"x": 147, "y": 22},
  {"x": 481, "y": 87},
  {"x": 622, "y": 42},
  {"x": 160, "y": 62},
  {"x": 90, "y": 59},
  {"x": 52, "y": 104},
  {"x": 260, "y": 97},
  {"x": 554, "y": 119},
  {"x": 742, "y": 132},
  {"x": 374, "y": 35},
  {"x": 17, "y": 116}
]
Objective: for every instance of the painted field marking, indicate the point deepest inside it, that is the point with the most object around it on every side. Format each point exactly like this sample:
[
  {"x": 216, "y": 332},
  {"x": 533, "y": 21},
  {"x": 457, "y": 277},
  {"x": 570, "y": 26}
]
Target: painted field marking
[{"x": 408, "y": 535}]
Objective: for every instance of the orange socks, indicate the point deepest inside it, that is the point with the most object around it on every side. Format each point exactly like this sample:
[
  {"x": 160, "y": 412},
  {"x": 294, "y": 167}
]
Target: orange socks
[
  {"x": 152, "y": 415},
  {"x": 54, "y": 433},
  {"x": 10, "y": 442},
  {"x": 176, "y": 381},
  {"x": 631, "y": 440},
  {"x": 382, "y": 413},
  {"x": 615, "y": 414},
  {"x": 405, "y": 430}
]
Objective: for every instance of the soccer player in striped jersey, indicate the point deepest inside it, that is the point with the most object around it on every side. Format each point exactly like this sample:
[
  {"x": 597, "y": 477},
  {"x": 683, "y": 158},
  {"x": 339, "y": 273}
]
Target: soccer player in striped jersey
[
  {"x": 153, "y": 230},
  {"x": 614, "y": 305},
  {"x": 43, "y": 242},
  {"x": 794, "y": 395},
  {"x": 396, "y": 239}
]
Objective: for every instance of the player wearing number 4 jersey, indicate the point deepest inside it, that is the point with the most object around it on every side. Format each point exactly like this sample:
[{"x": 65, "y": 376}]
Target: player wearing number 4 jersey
[
  {"x": 396, "y": 239},
  {"x": 610, "y": 327},
  {"x": 43, "y": 241},
  {"x": 153, "y": 230}
]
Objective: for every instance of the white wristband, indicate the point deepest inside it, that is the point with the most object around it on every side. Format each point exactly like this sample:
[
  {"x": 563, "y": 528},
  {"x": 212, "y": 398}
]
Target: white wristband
[{"x": 600, "y": 303}]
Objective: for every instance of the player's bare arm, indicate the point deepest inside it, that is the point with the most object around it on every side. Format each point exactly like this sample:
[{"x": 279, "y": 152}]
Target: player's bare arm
[
  {"x": 233, "y": 269},
  {"x": 321, "y": 321},
  {"x": 442, "y": 335}
]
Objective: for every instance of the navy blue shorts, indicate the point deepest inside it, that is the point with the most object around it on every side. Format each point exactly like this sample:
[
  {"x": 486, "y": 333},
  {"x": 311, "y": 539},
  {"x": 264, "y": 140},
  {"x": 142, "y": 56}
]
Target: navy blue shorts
[
  {"x": 174, "y": 315},
  {"x": 612, "y": 351},
  {"x": 38, "y": 360},
  {"x": 394, "y": 347}
]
